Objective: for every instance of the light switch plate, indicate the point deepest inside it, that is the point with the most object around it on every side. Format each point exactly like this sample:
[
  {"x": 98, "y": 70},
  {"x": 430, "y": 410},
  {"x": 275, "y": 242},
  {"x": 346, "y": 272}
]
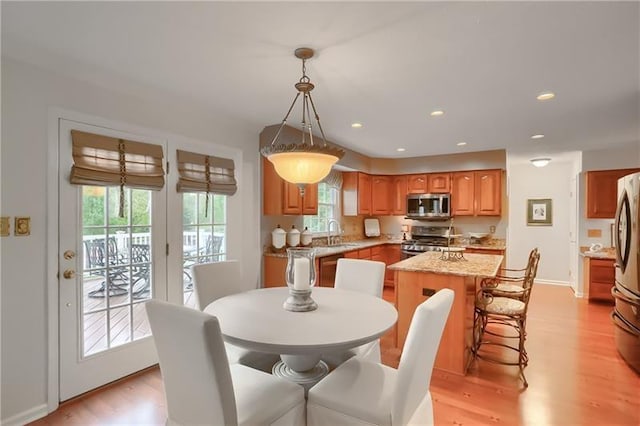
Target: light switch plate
[
  {"x": 4, "y": 226},
  {"x": 22, "y": 226}
]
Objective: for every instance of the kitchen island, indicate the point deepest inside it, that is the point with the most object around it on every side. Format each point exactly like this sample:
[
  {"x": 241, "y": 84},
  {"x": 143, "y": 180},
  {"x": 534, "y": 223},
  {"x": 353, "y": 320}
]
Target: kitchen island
[{"x": 419, "y": 277}]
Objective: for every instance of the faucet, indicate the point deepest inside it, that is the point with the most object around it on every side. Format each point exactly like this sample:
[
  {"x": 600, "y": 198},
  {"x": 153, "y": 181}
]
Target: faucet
[{"x": 329, "y": 222}]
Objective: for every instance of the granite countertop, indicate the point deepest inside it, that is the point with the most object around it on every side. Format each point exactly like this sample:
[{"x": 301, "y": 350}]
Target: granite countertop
[
  {"x": 474, "y": 265},
  {"x": 605, "y": 253},
  {"x": 322, "y": 251},
  {"x": 485, "y": 244}
]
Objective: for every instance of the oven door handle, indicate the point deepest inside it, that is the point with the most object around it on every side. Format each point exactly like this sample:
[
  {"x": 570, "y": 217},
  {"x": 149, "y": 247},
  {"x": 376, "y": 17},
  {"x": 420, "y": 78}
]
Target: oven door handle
[
  {"x": 617, "y": 294},
  {"x": 620, "y": 322}
]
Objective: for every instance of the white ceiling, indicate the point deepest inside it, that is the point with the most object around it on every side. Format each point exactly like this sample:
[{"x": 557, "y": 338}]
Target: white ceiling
[{"x": 384, "y": 64}]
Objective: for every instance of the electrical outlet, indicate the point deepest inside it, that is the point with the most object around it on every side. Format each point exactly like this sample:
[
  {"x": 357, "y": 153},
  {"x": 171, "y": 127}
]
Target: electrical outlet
[{"x": 492, "y": 229}]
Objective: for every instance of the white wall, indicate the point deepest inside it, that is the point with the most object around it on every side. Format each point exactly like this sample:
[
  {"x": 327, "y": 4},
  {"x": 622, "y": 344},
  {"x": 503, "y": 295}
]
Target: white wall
[
  {"x": 525, "y": 182},
  {"x": 27, "y": 93}
]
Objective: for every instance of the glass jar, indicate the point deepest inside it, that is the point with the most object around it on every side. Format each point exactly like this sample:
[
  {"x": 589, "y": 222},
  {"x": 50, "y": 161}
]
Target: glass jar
[
  {"x": 301, "y": 278},
  {"x": 301, "y": 268}
]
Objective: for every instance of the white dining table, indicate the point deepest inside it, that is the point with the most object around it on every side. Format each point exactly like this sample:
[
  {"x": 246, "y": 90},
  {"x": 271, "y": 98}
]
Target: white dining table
[{"x": 344, "y": 319}]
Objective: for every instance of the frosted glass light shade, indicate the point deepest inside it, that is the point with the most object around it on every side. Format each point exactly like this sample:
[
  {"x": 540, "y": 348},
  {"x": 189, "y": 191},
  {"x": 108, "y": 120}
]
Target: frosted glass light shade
[
  {"x": 302, "y": 167},
  {"x": 540, "y": 162}
]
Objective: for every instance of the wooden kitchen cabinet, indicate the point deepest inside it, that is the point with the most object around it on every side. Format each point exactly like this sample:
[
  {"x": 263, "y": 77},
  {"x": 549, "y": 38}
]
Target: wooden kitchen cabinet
[
  {"x": 399, "y": 198},
  {"x": 438, "y": 183},
  {"x": 476, "y": 193},
  {"x": 280, "y": 197},
  {"x": 392, "y": 255},
  {"x": 356, "y": 194},
  {"x": 602, "y": 192},
  {"x": 381, "y": 187},
  {"x": 377, "y": 253},
  {"x": 275, "y": 269},
  {"x": 364, "y": 253},
  {"x": 351, "y": 254},
  {"x": 417, "y": 184},
  {"x": 600, "y": 278}
]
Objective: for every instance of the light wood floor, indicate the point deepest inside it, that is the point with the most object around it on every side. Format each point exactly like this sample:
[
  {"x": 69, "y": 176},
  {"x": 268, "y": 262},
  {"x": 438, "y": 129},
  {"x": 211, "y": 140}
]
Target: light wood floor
[{"x": 575, "y": 374}]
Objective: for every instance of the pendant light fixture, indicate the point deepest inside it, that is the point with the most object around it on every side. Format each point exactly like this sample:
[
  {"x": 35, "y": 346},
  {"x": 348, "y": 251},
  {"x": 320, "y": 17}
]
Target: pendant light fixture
[{"x": 305, "y": 162}]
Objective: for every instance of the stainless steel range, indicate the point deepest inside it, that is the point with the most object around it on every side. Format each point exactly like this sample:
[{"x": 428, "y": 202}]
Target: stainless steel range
[{"x": 425, "y": 238}]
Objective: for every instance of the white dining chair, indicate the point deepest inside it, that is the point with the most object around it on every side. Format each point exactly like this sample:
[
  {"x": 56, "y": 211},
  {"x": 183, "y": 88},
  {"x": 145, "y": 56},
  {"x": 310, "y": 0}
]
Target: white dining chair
[
  {"x": 202, "y": 388},
  {"x": 361, "y": 392},
  {"x": 212, "y": 281},
  {"x": 365, "y": 276}
]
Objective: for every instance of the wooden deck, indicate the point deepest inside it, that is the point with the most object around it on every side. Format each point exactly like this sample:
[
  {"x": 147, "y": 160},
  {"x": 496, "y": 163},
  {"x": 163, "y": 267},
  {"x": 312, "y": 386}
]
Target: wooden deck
[{"x": 126, "y": 319}]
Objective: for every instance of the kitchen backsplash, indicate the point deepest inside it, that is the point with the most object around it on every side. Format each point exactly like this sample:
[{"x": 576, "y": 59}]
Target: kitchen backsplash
[{"x": 353, "y": 226}]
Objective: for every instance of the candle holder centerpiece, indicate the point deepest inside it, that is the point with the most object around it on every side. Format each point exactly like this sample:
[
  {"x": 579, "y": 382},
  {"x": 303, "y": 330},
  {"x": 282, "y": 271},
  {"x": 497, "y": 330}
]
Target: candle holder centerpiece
[{"x": 301, "y": 277}]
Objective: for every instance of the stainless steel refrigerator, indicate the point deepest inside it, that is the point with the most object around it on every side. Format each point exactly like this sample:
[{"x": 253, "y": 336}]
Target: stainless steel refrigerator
[{"x": 626, "y": 315}]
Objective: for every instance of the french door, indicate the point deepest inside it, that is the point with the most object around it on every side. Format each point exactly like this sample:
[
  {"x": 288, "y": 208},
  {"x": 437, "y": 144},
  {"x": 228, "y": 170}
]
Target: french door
[{"x": 108, "y": 267}]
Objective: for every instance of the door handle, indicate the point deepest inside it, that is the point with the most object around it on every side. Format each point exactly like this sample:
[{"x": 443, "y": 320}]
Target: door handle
[
  {"x": 69, "y": 274},
  {"x": 69, "y": 254}
]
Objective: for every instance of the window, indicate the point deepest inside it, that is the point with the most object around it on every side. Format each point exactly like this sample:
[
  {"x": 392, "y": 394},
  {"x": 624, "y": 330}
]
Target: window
[
  {"x": 204, "y": 232},
  {"x": 328, "y": 208}
]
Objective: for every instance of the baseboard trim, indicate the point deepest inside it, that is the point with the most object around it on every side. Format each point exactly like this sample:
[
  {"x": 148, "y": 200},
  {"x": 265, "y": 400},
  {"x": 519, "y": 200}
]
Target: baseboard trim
[
  {"x": 552, "y": 282},
  {"x": 26, "y": 416}
]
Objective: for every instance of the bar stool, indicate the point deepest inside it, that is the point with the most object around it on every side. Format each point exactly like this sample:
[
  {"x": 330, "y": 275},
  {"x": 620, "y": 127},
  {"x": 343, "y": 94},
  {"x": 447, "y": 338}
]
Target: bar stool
[
  {"x": 493, "y": 313},
  {"x": 509, "y": 282}
]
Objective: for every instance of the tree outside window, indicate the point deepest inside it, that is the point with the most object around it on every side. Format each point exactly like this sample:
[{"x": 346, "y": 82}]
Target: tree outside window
[{"x": 328, "y": 208}]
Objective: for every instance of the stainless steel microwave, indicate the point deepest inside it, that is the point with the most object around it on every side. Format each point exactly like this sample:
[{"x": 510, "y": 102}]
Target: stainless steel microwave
[{"x": 428, "y": 206}]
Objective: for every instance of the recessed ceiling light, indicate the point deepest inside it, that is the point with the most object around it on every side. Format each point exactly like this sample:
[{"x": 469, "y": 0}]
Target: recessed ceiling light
[
  {"x": 538, "y": 136},
  {"x": 356, "y": 125},
  {"x": 461, "y": 143},
  {"x": 401, "y": 149},
  {"x": 437, "y": 113},
  {"x": 545, "y": 96},
  {"x": 540, "y": 162}
]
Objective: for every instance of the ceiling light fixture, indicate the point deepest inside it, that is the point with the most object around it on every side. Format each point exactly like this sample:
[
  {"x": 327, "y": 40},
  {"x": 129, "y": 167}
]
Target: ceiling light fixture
[
  {"x": 540, "y": 162},
  {"x": 538, "y": 136},
  {"x": 356, "y": 125},
  {"x": 437, "y": 113},
  {"x": 461, "y": 143},
  {"x": 305, "y": 162},
  {"x": 401, "y": 149},
  {"x": 545, "y": 96}
]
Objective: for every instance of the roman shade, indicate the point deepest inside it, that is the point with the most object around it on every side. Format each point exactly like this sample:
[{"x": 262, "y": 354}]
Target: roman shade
[
  {"x": 106, "y": 161},
  {"x": 205, "y": 173},
  {"x": 334, "y": 179}
]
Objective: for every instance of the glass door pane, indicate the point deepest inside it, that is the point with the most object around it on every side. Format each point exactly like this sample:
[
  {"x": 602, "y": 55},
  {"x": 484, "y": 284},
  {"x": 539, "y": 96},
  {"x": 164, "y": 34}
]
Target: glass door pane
[{"x": 116, "y": 272}]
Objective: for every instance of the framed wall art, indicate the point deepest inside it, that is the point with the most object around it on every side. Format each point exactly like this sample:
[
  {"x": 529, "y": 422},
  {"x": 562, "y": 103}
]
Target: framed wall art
[{"x": 539, "y": 212}]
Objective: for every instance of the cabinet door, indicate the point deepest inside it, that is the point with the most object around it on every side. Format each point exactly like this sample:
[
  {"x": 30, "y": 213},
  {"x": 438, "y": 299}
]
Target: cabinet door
[
  {"x": 417, "y": 184},
  {"x": 364, "y": 254},
  {"x": 377, "y": 253},
  {"x": 601, "y": 279},
  {"x": 310, "y": 199},
  {"x": 292, "y": 201},
  {"x": 392, "y": 255},
  {"x": 602, "y": 190},
  {"x": 438, "y": 182},
  {"x": 364, "y": 193},
  {"x": 381, "y": 195},
  {"x": 399, "y": 198},
  {"x": 271, "y": 189},
  {"x": 351, "y": 254},
  {"x": 462, "y": 194},
  {"x": 488, "y": 192},
  {"x": 274, "y": 271}
]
